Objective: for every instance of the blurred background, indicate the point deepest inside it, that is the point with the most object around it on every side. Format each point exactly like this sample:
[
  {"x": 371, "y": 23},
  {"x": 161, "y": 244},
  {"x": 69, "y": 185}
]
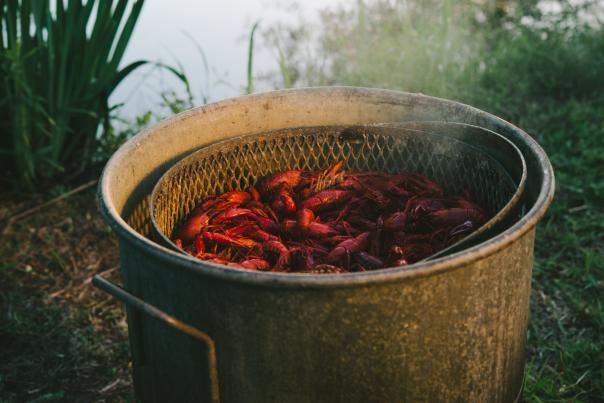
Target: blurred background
[{"x": 77, "y": 79}]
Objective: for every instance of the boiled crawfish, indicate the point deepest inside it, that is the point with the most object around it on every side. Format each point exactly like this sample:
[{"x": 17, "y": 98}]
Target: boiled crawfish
[{"x": 328, "y": 221}]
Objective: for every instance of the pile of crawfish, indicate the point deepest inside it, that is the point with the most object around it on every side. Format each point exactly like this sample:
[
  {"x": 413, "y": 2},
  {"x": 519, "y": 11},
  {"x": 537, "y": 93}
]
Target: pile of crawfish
[{"x": 328, "y": 221}]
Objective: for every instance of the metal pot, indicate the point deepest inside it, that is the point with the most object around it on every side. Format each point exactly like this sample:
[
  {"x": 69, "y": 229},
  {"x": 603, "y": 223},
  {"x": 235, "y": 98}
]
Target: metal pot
[{"x": 451, "y": 329}]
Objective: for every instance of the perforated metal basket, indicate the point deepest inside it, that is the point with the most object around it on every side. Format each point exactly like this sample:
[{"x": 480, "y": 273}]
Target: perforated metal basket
[{"x": 467, "y": 159}]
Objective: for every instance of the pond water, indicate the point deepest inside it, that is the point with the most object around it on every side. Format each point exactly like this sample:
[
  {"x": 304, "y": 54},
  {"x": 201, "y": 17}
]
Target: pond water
[{"x": 171, "y": 31}]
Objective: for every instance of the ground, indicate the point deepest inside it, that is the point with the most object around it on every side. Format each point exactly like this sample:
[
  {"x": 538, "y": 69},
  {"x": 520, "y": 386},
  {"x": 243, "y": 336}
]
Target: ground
[{"x": 62, "y": 339}]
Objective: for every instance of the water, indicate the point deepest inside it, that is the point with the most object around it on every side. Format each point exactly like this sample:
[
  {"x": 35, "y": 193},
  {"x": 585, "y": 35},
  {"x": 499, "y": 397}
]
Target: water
[{"x": 167, "y": 31}]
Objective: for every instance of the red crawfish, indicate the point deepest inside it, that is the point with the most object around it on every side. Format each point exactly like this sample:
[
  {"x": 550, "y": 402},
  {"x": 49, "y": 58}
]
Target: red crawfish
[
  {"x": 417, "y": 207},
  {"x": 256, "y": 206},
  {"x": 457, "y": 216},
  {"x": 232, "y": 199},
  {"x": 362, "y": 222},
  {"x": 352, "y": 207},
  {"x": 199, "y": 245},
  {"x": 289, "y": 227},
  {"x": 254, "y": 193},
  {"x": 328, "y": 222},
  {"x": 302, "y": 258},
  {"x": 239, "y": 229},
  {"x": 396, "y": 221},
  {"x": 283, "y": 254},
  {"x": 208, "y": 203},
  {"x": 197, "y": 221},
  {"x": 398, "y": 256},
  {"x": 317, "y": 248},
  {"x": 267, "y": 224},
  {"x": 232, "y": 214},
  {"x": 222, "y": 239},
  {"x": 346, "y": 227},
  {"x": 284, "y": 201},
  {"x": 377, "y": 236},
  {"x": 260, "y": 235},
  {"x": 326, "y": 199},
  {"x": 321, "y": 230},
  {"x": 418, "y": 251},
  {"x": 328, "y": 177},
  {"x": 251, "y": 230},
  {"x": 350, "y": 182},
  {"x": 307, "y": 225},
  {"x": 255, "y": 264},
  {"x": 208, "y": 256},
  {"x": 291, "y": 179},
  {"x": 400, "y": 262},
  {"x": 462, "y": 230},
  {"x": 217, "y": 259},
  {"x": 345, "y": 248},
  {"x": 305, "y": 218},
  {"x": 378, "y": 197}
]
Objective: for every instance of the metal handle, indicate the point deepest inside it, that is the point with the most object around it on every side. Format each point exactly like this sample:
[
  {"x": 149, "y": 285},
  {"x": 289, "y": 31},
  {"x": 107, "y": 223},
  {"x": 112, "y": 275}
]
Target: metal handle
[{"x": 129, "y": 299}]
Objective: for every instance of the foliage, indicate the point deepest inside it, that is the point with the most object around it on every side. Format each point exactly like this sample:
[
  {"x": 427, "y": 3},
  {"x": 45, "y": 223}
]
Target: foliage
[{"x": 59, "y": 63}]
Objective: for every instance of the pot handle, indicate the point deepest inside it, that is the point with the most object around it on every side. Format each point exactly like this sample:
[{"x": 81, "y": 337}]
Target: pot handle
[{"x": 129, "y": 299}]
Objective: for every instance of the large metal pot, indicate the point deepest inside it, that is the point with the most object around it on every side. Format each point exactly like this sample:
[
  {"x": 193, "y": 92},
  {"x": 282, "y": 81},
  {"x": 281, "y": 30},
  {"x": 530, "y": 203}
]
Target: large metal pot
[{"x": 452, "y": 329}]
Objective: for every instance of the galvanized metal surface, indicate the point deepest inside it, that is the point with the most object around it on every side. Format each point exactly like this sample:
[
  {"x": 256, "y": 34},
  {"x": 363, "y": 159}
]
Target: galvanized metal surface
[
  {"x": 140, "y": 305},
  {"x": 452, "y": 329},
  {"x": 463, "y": 164}
]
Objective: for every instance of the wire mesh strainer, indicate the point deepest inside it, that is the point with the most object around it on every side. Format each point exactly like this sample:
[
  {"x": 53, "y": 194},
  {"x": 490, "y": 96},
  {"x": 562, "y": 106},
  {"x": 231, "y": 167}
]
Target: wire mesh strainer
[
  {"x": 496, "y": 146},
  {"x": 456, "y": 163}
]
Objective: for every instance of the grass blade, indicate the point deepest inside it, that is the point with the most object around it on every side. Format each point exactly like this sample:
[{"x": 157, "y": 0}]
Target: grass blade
[{"x": 250, "y": 54}]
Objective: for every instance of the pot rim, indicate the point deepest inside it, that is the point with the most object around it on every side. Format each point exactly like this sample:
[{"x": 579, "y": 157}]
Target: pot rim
[{"x": 294, "y": 280}]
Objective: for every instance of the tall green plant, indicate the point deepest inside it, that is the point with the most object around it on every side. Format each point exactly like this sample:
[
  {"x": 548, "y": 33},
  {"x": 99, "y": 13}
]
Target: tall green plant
[
  {"x": 59, "y": 63},
  {"x": 250, "y": 55}
]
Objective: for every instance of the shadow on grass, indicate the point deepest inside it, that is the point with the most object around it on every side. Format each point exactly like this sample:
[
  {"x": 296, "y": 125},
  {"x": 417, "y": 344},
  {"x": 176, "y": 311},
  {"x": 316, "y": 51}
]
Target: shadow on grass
[{"x": 61, "y": 339}]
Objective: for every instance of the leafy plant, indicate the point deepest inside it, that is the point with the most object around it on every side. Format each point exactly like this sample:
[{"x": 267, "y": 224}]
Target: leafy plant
[{"x": 59, "y": 63}]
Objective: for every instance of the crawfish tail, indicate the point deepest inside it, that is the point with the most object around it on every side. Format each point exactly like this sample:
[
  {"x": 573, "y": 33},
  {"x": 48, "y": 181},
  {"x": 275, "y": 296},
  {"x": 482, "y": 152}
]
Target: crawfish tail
[
  {"x": 348, "y": 246},
  {"x": 326, "y": 199}
]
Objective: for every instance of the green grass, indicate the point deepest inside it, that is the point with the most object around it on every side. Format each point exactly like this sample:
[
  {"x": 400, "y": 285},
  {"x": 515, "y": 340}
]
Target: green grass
[
  {"x": 249, "y": 88},
  {"x": 566, "y": 328}
]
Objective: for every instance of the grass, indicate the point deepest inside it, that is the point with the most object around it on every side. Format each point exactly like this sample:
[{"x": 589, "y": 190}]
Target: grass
[
  {"x": 249, "y": 88},
  {"x": 62, "y": 339},
  {"x": 566, "y": 347}
]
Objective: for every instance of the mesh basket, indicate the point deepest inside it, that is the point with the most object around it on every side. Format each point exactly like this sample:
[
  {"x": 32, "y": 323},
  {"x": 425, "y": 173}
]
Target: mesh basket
[{"x": 238, "y": 163}]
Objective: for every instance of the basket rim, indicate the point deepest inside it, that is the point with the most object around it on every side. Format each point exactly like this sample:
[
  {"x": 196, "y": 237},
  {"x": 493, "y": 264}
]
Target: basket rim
[{"x": 293, "y": 280}]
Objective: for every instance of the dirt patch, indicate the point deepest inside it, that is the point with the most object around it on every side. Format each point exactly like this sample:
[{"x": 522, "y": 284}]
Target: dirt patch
[{"x": 62, "y": 338}]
